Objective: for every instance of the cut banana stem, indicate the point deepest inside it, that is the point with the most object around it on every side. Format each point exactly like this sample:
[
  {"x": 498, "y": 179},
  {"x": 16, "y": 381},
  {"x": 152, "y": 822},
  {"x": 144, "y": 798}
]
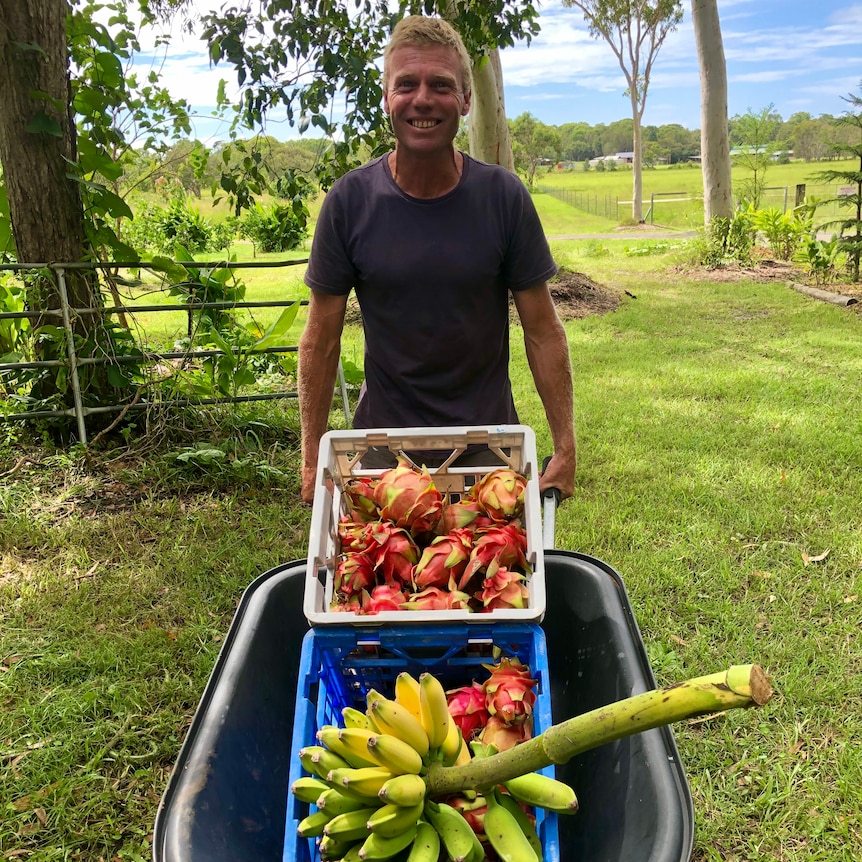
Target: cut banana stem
[{"x": 738, "y": 686}]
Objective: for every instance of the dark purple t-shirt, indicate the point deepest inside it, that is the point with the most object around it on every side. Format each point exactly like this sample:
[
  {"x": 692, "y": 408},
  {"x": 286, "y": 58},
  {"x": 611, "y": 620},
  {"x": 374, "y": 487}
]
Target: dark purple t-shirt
[{"x": 432, "y": 278}]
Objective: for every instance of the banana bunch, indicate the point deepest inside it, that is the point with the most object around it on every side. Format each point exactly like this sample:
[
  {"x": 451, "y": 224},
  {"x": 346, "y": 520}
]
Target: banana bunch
[{"x": 365, "y": 783}]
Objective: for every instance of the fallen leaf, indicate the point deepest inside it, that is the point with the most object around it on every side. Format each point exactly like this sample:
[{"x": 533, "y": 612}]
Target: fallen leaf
[
  {"x": 41, "y": 816},
  {"x": 760, "y": 574},
  {"x": 850, "y": 599},
  {"x": 680, "y": 641},
  {"x": 806, "y": 559}
]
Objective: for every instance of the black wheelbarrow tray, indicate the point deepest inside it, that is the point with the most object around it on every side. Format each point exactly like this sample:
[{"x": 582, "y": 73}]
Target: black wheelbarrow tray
[{"x": 227, "y": 795}]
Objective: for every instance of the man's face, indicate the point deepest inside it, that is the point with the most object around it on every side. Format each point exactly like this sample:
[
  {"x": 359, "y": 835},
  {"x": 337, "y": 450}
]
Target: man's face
[{"x": 424, "y": 96}]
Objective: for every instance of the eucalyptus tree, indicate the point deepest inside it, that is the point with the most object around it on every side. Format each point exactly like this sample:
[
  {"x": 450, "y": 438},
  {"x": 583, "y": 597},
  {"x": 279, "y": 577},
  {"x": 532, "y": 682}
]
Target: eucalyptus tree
[
  {"x": 635, "y": 30},
  {"x": 714, "y": 145}
]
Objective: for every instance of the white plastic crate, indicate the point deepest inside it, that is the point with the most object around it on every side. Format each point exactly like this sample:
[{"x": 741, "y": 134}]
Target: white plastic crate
[{"x": 341, "y": 454}]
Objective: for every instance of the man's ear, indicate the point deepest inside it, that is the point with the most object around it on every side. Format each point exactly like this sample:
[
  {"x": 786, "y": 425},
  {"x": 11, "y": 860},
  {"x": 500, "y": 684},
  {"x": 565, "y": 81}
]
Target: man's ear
[{"x": 465, "y": 108}]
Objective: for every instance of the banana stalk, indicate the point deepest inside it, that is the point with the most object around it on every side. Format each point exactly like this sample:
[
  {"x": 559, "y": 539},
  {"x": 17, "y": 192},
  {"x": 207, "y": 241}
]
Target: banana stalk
[{"x": 738, "y": 686}]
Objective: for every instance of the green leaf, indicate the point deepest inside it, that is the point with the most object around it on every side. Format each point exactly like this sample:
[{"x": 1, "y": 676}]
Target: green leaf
[
  {"x": 43, "y": 124},
  {"x": 274, "y": 335}
]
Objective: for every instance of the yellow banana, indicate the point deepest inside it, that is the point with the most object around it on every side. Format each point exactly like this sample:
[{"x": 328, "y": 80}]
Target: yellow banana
[
  {"x": 350, "y": 826},
  {"x": 407, "y": 789},
  {"x": 320, "y": 761},
  {"x": 390, "y": 820},
  {"x": 355, "y": 739},
  {"x": 366, "y": 781},
  {"x": 524, "y": 822},
  {"x": 392, "y": 718},
  {"x": 407, "y": 693},
  {"x": 396, "y": 755},
  {"x": 464, "y": 755},
  {"x": 542, "y": 791},
  {"x": 451, "y": 747},
  {"x": 505, "y": 835},
  {"x": 426, "y": 844},
  {"x": 330, "y": 736},
  {"x": 454, "y": 831},
  {"x": 313, "y": 825},
  {"x": 333, "y": 802},
  {"x": 378, "y": 848},
  {"x": 308, "y": 788},
  {"x": 354, "y": 718},
  {"x": 434, "y": 709}
]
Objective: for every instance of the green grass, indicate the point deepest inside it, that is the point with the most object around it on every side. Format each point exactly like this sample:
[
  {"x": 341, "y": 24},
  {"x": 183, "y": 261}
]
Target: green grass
[{"x": 719, "y": 428}]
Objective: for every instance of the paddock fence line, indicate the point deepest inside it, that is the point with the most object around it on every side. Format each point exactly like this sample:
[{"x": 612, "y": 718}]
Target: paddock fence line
[
  {"x": 595, "y": 204},
  {"x": 66, "y": 315}
]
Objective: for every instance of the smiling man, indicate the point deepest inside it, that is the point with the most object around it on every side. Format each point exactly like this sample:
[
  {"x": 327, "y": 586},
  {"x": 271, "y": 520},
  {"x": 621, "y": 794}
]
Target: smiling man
[{"x": 432, "y": 241}]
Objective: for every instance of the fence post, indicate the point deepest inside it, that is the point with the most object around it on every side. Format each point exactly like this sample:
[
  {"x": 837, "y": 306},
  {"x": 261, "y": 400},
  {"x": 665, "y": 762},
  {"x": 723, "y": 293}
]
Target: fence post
[
  {"x": 73, "y": 358},
  {"x": 800, "y": 194}
]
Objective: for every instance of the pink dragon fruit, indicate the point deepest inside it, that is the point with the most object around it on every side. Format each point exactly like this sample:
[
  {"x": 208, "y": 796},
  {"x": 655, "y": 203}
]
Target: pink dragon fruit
[
  {"x": 353, "y": 536},
  {"x": 359, "y": 495},
  {"x": 384, "y": 597},
  {"x": 346, "y": 604},
  {"x": 503, "y": 589},
  {"x": 472, "y": 810},
  {"x": 464, "y": 513},
  {"x": 509, "y": 695},
  {"x": 354, "y": 572},
  {"x": 500, "y": 493},
  {"x": 435, "y": 599},
  {"x": 506, "y": 544},
  {"x": 409, "y": 498},
  {"x": 443, "y": 560},
  {"x": 505, "y": 736},
  {"x": 467, "y": 708},
  {"x": 394, "y": 553}
]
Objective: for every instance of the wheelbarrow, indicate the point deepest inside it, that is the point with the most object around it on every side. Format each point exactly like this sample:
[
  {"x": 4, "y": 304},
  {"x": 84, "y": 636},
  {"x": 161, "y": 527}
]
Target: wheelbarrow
[{"x": 227, "y": 796}]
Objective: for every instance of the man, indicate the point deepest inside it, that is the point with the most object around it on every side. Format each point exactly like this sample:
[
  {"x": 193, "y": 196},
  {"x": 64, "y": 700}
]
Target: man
[{"x": 432, "y": 241}]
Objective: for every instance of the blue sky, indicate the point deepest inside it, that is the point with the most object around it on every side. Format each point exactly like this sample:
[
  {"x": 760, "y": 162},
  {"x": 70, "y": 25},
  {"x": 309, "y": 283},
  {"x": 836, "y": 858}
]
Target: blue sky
[{"x": 797, "y": 55}]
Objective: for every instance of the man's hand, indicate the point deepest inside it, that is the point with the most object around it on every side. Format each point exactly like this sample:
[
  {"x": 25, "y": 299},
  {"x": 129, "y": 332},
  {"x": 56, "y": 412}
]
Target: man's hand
[{"x": 559, "y": 474}]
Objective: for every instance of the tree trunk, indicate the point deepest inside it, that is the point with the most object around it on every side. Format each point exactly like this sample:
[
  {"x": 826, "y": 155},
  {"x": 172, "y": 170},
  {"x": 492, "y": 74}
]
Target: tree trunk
[
  {"x": 37, "y": 142},
  {"x": 489, "y": 130},
  {"x": 637, "y": 162},
  {"x": 714, "y": 146}
]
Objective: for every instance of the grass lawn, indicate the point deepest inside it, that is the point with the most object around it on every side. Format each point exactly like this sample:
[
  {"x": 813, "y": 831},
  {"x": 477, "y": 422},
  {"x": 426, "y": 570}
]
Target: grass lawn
[{"x": 720, "y": 473}]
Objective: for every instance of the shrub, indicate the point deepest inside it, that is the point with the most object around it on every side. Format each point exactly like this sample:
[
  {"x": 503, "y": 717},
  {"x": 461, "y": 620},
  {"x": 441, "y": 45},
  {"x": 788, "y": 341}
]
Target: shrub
[
  {"x": 163, "y": 230},
  {"x": 276, "y": 228},
  {"x": 783, "y": 231},
  {"x": 726, "y": 240}
]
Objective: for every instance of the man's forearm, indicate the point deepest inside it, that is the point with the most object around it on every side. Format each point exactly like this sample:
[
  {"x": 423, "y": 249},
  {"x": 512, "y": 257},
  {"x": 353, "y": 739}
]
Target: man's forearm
[{"x": 318, "y": 367}]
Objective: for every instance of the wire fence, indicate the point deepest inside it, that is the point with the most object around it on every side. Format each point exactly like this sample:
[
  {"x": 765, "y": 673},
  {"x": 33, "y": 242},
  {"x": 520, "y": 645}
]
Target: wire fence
[
  {"x": 67, "y": 317},
  {"x": 607, "y": 206}
]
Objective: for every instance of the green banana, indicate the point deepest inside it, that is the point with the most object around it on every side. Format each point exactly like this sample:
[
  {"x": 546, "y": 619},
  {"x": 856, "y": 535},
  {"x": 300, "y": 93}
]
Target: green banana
[
  {"x": 350, "y": 826},
  {"x": 505, "y": 835},
  {"x": 332, "y": 848},
  {"x": 477, "y": 854},
  {"x": 542, "y": 791},
  {"x": 308, "y": 788},
  {"x": 313, "y": 825},
  {"x": 320, "y": 761},
  {"x": 390, "y": 820},
  {"x": 377, "y": 848},
  {"x": 404, "y": 789},
  {"x": 394, "y": 754},
  {"x": 454, "y": 831},
  {"x": 524, "y": 820},
  {"x": 333, "y": 802},
  {"x": 426, "y": 844},
  {"x": 392, "y": 718},
  {"x": 330, "y": 736},
  {"x": 355, "y": 718},
  {"x": 434, "y": 710},
  {"x": 366, "y": 780}
]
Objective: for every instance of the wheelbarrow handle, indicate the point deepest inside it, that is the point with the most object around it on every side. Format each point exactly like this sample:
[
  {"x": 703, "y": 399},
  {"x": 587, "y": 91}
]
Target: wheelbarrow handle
[{"x": 551, "y": 498}]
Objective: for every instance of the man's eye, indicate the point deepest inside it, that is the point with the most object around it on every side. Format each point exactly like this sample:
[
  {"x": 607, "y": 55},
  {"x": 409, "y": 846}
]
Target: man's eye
[{"x": 443, "y": 86}]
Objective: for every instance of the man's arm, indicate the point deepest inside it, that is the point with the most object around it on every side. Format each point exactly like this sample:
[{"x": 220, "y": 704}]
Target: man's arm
[
  {"x": 319, "y": 349},
  {"x": 548, "y": 354}
]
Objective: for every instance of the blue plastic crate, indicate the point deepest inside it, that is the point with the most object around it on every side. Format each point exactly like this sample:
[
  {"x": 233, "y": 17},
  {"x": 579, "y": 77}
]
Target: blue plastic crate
[{"x": 340, "y": 664}]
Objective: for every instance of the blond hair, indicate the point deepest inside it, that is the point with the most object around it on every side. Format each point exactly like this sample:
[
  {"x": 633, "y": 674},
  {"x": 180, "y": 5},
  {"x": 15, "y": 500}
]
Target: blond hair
[{"x": 417, "y": 31}]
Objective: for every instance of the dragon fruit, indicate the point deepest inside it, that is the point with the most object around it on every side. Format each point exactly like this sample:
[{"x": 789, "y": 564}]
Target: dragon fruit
[
  {"x": 464, "y": 513},
  {"x": 467, "y": 708},
  {"x": 394, "y": 553},
  {"x": 509, "y": 695},
  {"x": 359, "y": 495},
  {"x": 503, "y": 588},
  {"x": 443, "y": 560},
  {"x": 384, "y": 597},
  {"x": 353, "y": 536},
  {"x": 505, "y": 736},
  {"x": 436, "y": 599},
  {"x": 354, "y": 572},
  {"x": 500, "y": 493},
  {"x": 504, "y": 543},
  {"x": 409, "y": 498}
]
